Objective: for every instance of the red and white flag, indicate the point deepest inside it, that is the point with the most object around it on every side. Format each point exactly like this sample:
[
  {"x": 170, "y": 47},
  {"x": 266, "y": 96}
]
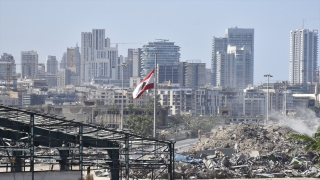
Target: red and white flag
[{"x": 146, "y": 83}]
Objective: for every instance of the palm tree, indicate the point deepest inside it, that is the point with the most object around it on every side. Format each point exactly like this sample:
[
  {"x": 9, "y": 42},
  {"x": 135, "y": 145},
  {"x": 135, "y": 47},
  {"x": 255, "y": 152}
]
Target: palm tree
[{"x": 312, "y": 143}]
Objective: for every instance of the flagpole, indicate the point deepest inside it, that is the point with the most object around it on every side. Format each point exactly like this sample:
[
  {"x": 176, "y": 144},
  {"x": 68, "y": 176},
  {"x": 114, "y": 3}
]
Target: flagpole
[{"x": 155, "y": 96}]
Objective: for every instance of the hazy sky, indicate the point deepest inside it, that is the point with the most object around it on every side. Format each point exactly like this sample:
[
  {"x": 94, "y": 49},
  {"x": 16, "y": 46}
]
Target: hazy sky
[{"x": 50, "y": 26}]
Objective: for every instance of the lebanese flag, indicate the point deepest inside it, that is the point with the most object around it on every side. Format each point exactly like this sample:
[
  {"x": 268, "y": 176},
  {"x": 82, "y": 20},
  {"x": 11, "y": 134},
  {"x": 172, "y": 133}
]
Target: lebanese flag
[{"x": 145, "y": 84}]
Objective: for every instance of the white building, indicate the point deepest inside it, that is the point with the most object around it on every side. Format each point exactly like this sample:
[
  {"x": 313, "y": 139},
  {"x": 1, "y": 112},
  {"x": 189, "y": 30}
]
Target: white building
[
  {"x": 167, "y": 53},
  {"x": 52, "y": 64},
  {"x": 303, "y": 56},
  {"x": 63, "y": 78},
  {"x": 29, "y": 64},
  {"x": 234, "y": 67},
  {"x": 238, "y": 37},
  {"x": 98, "y": 59}
]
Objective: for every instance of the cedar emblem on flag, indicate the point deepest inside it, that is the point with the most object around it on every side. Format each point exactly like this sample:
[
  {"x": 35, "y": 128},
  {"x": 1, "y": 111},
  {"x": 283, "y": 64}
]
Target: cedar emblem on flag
[{"x": 146, "y": 83}]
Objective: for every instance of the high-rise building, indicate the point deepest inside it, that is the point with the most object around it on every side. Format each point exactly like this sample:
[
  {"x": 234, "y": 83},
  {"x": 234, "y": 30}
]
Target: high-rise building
[
  {"x": 167, "y": 53},
  {"x": 168, "y": 73},
  {"x": 195, "y": 74},
  {"x": 29, "y": 64},
  {"x": 303, "y": 56},
  {"x": 98, "y": 59},
  {"x": 218, "y": 45},
  {"x": 192, "y": 73},
  {"x": 233, "y": 67},
  {"x": 238, "y": 37},
  {"x": 136, "y": 62},
  {"x": 63, "y": 78},
  {"x": 41, "y": 69},
  {"x": 52, "y": 64},
  {"x": 73, "y": 60},
  {"x": 7, "y": 61},
  {"x": 63, "y": 61}
]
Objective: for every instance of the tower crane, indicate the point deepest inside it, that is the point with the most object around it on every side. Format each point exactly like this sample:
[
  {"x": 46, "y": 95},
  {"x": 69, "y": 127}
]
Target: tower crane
[
  {"x": 304, "y": 20},
  {"x": 125, "y": 43}
]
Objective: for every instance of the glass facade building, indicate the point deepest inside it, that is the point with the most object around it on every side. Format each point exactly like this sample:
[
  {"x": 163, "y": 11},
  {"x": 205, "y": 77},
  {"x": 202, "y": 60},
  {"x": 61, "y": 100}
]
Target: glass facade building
[{"x": 167, "y": 53}]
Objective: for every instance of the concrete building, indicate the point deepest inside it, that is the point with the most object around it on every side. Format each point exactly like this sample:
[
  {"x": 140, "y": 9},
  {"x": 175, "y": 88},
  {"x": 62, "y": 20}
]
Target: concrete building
[
  {"x": 6, "y": 100},
  {"x": 7, "y": 67},
  {"x": 208, "y": 76},
  {"x": 303, "y": 56},
  {"x": 136, "y": 62},
  {"x": 52, "y": 64},
  {"x": 29, "y": 64},
  {"x": 63, "y": 61},
  {"x": 190, "y": 101},
  {"x": 51, "y": 79},
  {"x": 234, "y": 67},
  {"x": 254, "y": 102},
  {"x": 167, "y": 53},
  {"x": 7, "y": 61},
  {"x": 195, "y": 74},
  {"x": 73, "y": 59},
  {"x": 167, "y": 72},
  {"x": 191, "y": 74},
  {"x": 98, "y": 59},
  {"x": 238, "y": 37},
  {"x": 63, "y": 78}
]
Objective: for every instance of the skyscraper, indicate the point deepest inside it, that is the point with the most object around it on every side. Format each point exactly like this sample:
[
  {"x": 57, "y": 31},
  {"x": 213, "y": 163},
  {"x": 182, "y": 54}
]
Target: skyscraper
[
  {"x": 233, "y": 67},
  {"x": 52, "y": 64},
  {"x": 167, "y": 53},
  {"x": 136, "y": 62},
  {"x": 29, "y": 64},
  {"x": 73, "y": 60},
  {"x": 7, "y": 60},
  {"x": 303, "y": 56},
  {"x": 238, "y": 38},
  {"x": 98, "y": 59}
]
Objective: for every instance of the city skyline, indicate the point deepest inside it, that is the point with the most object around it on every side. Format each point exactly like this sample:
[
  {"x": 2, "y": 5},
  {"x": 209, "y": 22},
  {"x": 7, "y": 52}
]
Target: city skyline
[{"x": 191, "y": 25}]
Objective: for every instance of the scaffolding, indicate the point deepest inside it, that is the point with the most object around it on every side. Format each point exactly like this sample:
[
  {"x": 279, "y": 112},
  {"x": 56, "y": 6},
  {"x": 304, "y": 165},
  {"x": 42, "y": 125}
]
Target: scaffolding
[{"x": 31, "y": 139}]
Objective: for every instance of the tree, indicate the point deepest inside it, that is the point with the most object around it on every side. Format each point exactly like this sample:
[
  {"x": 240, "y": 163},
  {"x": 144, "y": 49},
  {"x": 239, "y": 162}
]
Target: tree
[
  {"x": 311, "y": 143},
  {"x": 141, "y": 124}
]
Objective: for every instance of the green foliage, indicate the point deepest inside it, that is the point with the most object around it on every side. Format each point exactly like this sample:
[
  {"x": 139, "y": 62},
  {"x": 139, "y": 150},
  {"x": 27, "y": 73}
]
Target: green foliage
[
  {"x": 141, "y": 124},
  {"x": 204, "y": 123},
  {"x": 311, "y": 143}
]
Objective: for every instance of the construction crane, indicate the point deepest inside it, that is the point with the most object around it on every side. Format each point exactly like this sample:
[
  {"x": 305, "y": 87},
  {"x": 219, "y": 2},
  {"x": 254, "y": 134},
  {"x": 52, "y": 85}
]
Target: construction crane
[
  {"x": 125, "y": 43},
  {"x": 304, "y": 20}
]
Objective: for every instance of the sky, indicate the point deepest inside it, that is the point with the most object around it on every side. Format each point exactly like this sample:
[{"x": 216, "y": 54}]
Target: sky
[{"x": 50, "y": 26}]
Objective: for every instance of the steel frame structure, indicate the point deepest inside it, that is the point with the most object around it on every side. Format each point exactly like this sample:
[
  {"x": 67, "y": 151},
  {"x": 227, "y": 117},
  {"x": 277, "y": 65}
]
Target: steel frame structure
[{"x": 75, "y": 145}]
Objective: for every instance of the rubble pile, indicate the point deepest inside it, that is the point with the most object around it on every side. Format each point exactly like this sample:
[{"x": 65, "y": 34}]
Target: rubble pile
[
  {"x": 245, "y": 138},
  {"x": 243, "y": 151},
  {"x": 259, "y": 152}
]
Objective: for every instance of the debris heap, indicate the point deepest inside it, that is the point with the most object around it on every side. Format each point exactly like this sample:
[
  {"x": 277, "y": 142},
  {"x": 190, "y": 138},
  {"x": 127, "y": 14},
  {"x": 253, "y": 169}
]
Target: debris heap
[
  {"x": 245, "y": 151},
  {"x": 258, "y": 152}
]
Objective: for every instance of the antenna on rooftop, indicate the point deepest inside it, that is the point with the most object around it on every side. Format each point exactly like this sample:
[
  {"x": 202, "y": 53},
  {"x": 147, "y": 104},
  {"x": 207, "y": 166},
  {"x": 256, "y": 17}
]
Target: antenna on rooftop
[{"x": 164, "y": 40}]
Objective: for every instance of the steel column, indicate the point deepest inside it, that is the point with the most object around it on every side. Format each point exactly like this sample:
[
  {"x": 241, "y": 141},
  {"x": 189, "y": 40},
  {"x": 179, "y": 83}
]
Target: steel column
[
  {"x": 127, "y": 155},
  {"x": 80, "y": 149},
  {"x": 32, "y": 145}
]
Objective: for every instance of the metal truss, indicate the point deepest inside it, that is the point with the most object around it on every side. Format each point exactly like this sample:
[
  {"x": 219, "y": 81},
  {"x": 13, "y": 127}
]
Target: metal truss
[{"x": 30, "y": 138}]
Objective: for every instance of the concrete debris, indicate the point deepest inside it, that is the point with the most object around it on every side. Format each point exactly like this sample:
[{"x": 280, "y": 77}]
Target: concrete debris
[{"x": 258, "y": 152}]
